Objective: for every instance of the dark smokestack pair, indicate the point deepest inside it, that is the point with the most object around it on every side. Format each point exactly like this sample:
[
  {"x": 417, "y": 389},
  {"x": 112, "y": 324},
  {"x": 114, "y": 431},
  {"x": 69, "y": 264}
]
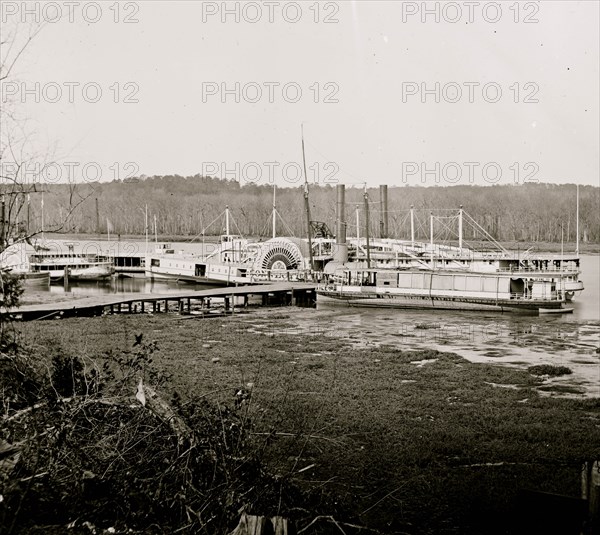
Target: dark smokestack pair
[{"x": 341, "y": 253}]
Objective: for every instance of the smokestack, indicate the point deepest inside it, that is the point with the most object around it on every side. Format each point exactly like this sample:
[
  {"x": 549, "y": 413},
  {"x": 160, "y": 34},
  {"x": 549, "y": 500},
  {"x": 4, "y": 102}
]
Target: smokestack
[
  {"x": 383, "y": 222},
  {"x": 341, "y": 247}
]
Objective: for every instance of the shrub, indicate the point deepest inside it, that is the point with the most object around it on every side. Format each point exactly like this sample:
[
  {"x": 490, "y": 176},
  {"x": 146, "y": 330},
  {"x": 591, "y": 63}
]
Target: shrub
[{"x": 549, "y": 369}]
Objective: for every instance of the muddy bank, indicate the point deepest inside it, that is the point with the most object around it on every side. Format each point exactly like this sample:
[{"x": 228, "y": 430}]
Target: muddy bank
[{"x": 393, "y": 438}]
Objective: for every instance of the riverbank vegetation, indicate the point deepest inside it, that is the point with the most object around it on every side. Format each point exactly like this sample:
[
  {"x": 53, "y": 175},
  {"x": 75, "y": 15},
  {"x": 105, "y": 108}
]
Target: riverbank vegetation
[
  {"x": 187, "y": 206},
  {"x": 263, "y": 420}
]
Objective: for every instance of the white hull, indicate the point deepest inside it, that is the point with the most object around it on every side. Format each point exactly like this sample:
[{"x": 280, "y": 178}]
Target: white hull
[
  {"x": 274, "y": 261},
  {"x": 193, "y": 270},
  {"x": 220, "y": 280},
  {"x": 434, "y": 303},
  {"x": 93, "y": 272},
  {"x": 35, "y": 280},
  {"x": 556, "y": 310}
]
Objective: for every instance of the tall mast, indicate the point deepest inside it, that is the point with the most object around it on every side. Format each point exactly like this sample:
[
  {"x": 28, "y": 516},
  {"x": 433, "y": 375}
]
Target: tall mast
[
  {"x": 307, "y": 204},
  {"x": 412, "y": 226},
  {"x": 357, "y": 225},
  {"x": 274, "y": 214},
  {"x": 227, "y": 220},
  {"x": 42, "y": 213},
  {"x": 577, "y": 224},
  {"x": 460, "y": 228},
  {"x": 367, "y": 228},
  {"x": 97, "y": 218},
  {"x": 431, "y": 233}
]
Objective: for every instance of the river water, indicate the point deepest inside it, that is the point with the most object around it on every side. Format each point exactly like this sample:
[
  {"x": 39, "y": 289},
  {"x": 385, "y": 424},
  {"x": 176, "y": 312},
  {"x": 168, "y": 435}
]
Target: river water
[{"x": 508, "y": 339}]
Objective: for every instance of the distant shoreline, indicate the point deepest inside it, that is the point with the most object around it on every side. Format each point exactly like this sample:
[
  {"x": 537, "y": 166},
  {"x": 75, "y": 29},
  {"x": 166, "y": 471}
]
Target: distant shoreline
[{"x": 547, "y": 247}]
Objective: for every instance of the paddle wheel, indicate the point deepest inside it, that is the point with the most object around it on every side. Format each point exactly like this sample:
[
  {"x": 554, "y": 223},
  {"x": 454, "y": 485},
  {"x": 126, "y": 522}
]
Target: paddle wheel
[{"x": 281, "y": 254}]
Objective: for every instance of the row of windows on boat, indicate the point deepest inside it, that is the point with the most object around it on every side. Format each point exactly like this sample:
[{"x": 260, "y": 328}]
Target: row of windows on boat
[
  {"x": 56, "y": 267},
  {"x": 504, "y": 265}
]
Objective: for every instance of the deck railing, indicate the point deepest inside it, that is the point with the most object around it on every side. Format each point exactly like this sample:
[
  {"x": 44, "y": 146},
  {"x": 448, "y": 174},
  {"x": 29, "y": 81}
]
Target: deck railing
[
  {"x": 290, "y": 275},
  {"x": 562, "y": 271}
]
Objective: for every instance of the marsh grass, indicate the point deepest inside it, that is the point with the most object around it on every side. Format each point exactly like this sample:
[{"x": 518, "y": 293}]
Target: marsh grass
[
  {"x": 550, "y": 370},
  {"x": 396, "y": 447}
]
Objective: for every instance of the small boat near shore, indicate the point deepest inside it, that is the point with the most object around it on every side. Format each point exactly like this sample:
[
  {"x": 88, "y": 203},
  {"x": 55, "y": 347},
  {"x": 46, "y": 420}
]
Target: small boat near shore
[
  {"x": 76, "y": 267},
  {"x": 556, "y": 310},
  {"x": 36, "y": 264},
  {"x": 35, "y": 280}
]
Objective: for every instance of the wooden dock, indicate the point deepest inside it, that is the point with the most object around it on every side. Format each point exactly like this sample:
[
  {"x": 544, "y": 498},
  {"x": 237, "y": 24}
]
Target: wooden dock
[{"x": 182, "y": 302}]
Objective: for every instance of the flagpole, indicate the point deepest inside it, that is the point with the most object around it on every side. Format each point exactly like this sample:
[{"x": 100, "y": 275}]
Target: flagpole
[{"x": 42, "y": 215}]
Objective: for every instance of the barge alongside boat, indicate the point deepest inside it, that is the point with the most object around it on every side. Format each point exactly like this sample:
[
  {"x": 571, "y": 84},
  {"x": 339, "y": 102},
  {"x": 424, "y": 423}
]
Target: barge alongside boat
[{"x": 531, "y": 292}]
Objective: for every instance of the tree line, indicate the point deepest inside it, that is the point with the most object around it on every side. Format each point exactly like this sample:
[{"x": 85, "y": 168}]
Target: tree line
[{"x": 192, "y": 206}]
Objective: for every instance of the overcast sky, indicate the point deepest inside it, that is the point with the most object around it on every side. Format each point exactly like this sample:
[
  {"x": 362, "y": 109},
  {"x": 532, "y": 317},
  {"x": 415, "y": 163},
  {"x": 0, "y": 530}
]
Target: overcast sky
[{"x": 355, "y": 81}]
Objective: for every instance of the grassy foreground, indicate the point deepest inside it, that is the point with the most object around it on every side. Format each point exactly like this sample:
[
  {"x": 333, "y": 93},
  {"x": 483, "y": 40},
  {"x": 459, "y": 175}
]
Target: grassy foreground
[{"x": 395, "y": 441}]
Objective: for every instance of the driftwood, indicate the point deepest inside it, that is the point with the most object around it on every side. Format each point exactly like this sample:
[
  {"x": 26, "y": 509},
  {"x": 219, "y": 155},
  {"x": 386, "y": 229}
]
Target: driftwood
[
  {"x": 148, "y": 397},
  {"x": 84, "y": 399},
  {"x": 262, "y": 525},
  {"x": 9, "y": 457},
  {"x": 339, "y": 525}
]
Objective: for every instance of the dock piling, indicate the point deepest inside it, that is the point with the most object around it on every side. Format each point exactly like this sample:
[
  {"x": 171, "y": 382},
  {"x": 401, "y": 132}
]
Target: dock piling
[{"x": 281, "y": 294}]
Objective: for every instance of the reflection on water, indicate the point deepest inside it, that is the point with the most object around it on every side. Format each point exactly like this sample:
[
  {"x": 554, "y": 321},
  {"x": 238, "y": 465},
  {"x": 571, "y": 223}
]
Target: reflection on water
[
  {"x": 586, "y": 306},
  {"x": 570, "y": 340},
  {"x": 119, "y": 285},
  {"x": 510, "y": 339},
  {"x": 507, "y": 339}
]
